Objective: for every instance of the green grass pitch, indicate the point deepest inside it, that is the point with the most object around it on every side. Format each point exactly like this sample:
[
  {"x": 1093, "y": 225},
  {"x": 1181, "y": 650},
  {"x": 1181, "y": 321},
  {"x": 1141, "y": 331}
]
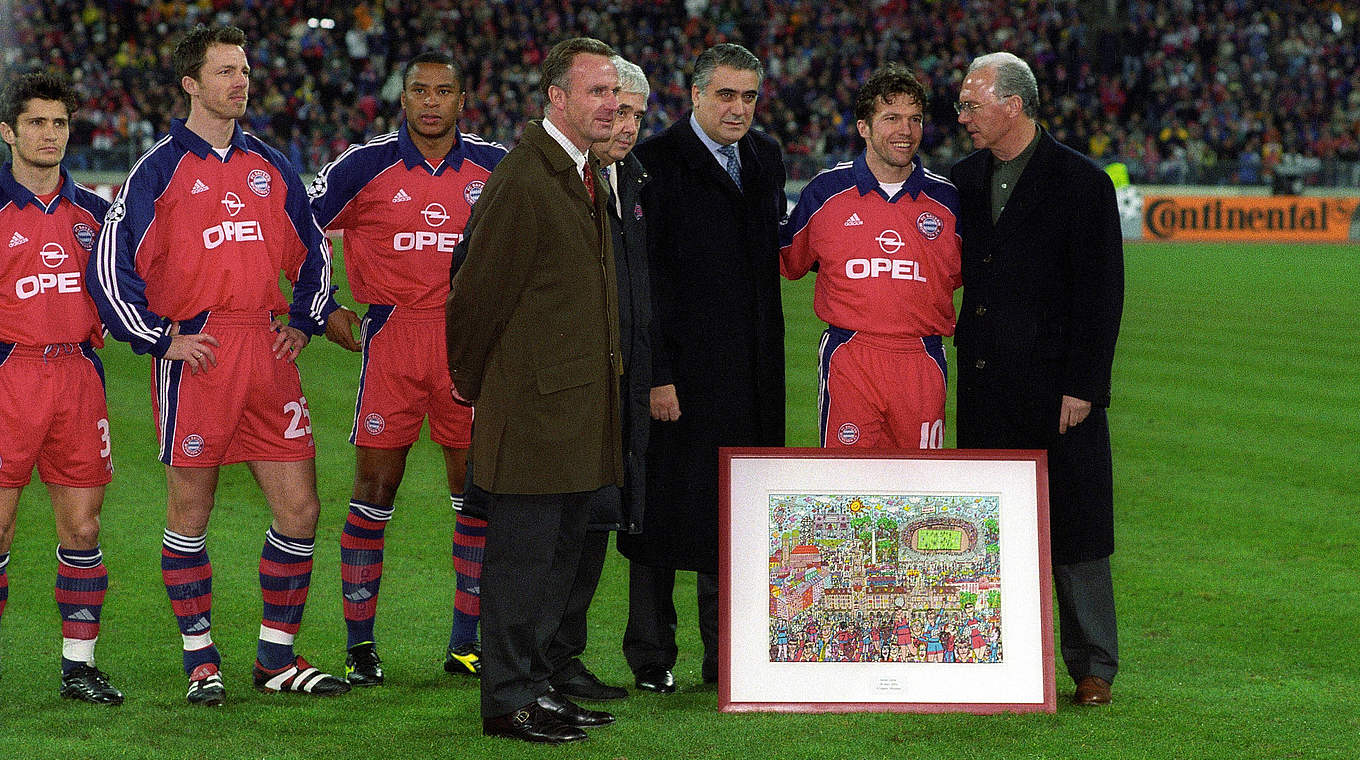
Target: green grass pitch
[{"x": 1235, "y": 421}]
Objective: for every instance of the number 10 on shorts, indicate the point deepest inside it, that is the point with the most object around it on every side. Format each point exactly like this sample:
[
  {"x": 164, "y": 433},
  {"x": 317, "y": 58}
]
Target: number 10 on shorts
[{"x": 932, "y": 435}]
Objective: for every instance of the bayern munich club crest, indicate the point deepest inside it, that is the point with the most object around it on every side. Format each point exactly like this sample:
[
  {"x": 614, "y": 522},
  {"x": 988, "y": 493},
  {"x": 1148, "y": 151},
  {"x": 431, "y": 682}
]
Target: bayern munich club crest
[
  {"x": 473, "y": 191},
  {"x": 259, "y": 181},
  {"x": 192, "y": 445},
  {"x": 84, "y": 235},
  {"x": 375, "y": 424},
  {"x": 848, "y": 434},
  {"x": 929, "y": 225}
]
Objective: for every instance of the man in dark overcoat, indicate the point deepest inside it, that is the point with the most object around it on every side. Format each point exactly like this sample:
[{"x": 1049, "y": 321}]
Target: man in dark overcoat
[
  {"x": 713, "y": 207},
  {"x": 1043, "y": 291},
  {"x": 533, "y": 336}
]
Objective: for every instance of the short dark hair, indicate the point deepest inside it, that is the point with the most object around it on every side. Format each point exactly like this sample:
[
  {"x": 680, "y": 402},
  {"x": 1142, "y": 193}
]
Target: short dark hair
[
  {"x": 557, "y": 65},
  {"x": 437, "y": 58},
  {"x": 883, "y": 86},
  {"x": 727, "y": 54},
  {"x": 35, "y": 85},
  {"x": 191, "y": 51}
]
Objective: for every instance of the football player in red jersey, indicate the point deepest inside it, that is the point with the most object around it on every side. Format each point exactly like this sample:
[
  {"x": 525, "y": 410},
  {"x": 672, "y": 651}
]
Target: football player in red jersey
[
  {"x": 402, "y": 200},
  {"x": 187, "y": 269},
  {"x": 52, "y": 407},
  {"x": 881, "y": 232}
]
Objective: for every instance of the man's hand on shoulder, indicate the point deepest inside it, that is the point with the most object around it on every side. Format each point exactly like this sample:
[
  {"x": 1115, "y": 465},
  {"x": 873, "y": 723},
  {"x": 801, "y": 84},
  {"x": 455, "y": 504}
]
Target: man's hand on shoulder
[{"x": 342, "y": 327}]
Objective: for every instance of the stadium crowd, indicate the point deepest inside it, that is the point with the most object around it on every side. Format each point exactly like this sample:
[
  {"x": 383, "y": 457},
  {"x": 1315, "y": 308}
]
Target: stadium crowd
[{"x": 1193, "y": 91}]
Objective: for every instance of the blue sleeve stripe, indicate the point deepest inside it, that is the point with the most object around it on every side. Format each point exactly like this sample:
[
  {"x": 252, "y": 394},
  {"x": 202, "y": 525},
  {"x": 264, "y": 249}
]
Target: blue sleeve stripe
[{"x": 127, "y": 323}]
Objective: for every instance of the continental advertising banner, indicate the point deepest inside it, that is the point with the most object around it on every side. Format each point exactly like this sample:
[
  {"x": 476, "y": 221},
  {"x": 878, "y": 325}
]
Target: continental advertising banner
[{"x": 1286, "y": 219}]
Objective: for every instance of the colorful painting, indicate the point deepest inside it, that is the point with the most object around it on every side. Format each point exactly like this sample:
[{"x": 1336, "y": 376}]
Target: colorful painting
[{"x": 876, "y": 577}]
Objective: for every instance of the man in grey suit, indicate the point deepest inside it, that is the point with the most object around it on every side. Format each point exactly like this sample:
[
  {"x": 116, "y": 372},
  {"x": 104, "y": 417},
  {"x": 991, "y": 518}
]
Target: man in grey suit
[
  {"x": 533, "y": 338},
  {"x": 1043, "y": 291},
  {"x": 713, "y": 207}
]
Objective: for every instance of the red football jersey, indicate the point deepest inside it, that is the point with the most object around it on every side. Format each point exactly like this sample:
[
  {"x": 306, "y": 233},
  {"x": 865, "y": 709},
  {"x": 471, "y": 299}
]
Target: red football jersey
[
  {"x": 886, "y": 266},
  {"x": 43, "y": 295},
  {"x": 401, "y": 216}
]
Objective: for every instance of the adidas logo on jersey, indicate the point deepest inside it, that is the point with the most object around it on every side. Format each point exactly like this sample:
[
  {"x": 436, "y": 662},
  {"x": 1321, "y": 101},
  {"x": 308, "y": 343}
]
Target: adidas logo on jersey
[
  {"x": 17, "y": 240},
  {"x": 854, "y": 221},
  {"x": 199, "y": 187},
  {"x": 401, "y": 196}
]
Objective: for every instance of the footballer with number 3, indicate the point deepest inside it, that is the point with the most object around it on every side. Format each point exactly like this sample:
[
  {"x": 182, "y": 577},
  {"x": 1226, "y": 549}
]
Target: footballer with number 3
[
  {"x": 187, "y": 270},
  {"x": 52, "y": 408},
  {"x": 881, "y": 232},
  {"x": 402, "y": 200}
]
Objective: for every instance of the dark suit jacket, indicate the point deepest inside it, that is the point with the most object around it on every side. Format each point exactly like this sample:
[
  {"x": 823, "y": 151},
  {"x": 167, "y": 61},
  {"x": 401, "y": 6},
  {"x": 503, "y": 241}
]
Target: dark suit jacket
[
  {"x": 719, "y": 337},
  {"x": 532, "y": 327},
  {"x": 1043, "y": 291},
  {"x": 635, "y": 323}
]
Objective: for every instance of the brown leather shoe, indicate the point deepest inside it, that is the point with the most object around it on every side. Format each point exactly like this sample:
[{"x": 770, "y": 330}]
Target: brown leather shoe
[
  {"x": 1092, "y": 690},
  {"x": 532, "y": 723}
]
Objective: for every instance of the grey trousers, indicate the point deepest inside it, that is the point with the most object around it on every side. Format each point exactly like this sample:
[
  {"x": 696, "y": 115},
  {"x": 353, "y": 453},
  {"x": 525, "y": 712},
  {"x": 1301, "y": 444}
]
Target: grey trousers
[{"x": 1086, "y": 620}]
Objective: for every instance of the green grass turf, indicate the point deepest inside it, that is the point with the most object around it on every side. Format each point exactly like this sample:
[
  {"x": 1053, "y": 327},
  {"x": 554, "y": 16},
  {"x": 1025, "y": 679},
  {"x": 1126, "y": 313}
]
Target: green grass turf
[{"x": 1235, "y": 425}]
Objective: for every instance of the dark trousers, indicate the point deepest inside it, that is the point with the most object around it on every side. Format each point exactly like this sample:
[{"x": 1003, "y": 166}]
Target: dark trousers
[
  {"x": 533, "y": 548},
  {"x": 565, "y": 650},
  {"x": 1086, "y": 621},
  {"x": 649, "y": 638}
]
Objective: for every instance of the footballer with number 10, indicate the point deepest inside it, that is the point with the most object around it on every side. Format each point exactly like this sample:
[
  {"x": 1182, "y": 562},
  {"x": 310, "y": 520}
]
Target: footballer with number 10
[{"x": 882, "y": 232}]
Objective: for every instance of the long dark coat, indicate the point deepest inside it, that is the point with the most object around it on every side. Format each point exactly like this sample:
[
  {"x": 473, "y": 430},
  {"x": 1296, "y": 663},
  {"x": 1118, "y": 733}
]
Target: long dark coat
[
  {"x": 719, "y": 331},
  {"x": 635, "y": 320},
  {"x": 1043, "y": 291}
]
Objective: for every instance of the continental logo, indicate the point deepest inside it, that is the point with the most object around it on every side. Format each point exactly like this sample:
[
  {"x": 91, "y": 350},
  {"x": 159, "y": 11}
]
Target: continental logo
[{"x": 1277, "y": 218}]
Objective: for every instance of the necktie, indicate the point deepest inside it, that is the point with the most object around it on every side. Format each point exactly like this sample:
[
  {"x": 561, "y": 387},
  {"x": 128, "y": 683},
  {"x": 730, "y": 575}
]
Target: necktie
[
  {"x": 588, "y": 177},
  {"x": 611, "y": 199},
  {"x": 733, "y": 168}
]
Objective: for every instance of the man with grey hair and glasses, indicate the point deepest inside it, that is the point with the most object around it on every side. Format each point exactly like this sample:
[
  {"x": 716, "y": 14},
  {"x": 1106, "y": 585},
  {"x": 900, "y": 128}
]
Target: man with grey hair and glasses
[
  {"x": 1043, "y": 291},
  {"x": 623, "y": 179},
  {"x": 713, "y": 207}
]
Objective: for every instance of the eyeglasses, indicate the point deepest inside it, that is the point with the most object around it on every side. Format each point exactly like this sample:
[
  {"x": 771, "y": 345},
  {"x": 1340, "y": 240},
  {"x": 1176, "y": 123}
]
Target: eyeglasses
[{"x": 972, "y": 108}]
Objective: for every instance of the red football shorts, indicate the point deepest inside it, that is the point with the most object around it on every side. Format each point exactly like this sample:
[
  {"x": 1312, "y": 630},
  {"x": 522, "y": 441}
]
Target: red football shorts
[
  {"x": 53, "y": 414},
  {"x": 881, "y": 393},
  {"x": 405, "y": 378},
  {"x": 248, "y": 408}
]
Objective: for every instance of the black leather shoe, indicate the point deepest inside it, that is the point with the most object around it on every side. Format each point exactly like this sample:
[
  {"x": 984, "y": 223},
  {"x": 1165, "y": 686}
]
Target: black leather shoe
[
  {"x": 571, "y": 713},
  {"x": 585, "y": 685},
  {"x": 532, "y": 723},
  {"x": 656, "y": 678}
]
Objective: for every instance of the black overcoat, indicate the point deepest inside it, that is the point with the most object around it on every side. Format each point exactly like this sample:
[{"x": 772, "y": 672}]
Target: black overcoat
[
  {"x": 719, "y": 331},
  {"x": 1043, "y": 291},
  {"x": 629, "y": 227}
]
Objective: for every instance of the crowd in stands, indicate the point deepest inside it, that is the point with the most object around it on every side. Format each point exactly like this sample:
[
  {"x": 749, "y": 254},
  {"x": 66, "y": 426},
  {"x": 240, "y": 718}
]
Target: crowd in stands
[{"x": 1181, "y": 91}]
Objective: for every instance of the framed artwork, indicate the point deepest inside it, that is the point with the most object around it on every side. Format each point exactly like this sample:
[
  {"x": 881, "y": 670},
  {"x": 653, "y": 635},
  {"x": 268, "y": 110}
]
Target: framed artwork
[{"x": 885, "y": 581}]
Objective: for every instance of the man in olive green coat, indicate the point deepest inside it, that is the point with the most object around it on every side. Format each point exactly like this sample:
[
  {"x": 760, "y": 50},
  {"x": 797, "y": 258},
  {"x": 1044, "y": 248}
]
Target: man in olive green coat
[{"x": 533, "y": 340}]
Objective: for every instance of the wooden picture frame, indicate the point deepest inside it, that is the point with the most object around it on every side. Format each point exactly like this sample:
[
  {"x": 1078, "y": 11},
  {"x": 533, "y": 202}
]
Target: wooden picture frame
[{"x": 887, "y": 581}]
